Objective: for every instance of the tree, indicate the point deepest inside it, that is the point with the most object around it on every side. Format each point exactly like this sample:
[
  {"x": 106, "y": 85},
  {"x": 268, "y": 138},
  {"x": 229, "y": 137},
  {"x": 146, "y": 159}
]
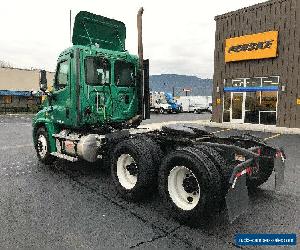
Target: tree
[{"x": 4, "y": 64}]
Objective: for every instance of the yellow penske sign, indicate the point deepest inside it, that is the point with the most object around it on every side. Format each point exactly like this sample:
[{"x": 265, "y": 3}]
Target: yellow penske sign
[{"x": 255, "y": 46}]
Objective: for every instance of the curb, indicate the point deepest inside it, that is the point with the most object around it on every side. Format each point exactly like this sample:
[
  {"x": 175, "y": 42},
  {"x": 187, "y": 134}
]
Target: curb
[{"x": 249, "y": 127}]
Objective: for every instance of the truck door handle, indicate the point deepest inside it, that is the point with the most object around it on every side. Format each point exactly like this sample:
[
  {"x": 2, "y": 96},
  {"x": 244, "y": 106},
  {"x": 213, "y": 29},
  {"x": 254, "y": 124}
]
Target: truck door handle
[{"x": 67, "y": 113}]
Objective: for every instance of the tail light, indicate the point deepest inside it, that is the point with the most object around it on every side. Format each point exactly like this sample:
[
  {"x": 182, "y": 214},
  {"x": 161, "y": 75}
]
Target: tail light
[{"x": 259, "y": 151}]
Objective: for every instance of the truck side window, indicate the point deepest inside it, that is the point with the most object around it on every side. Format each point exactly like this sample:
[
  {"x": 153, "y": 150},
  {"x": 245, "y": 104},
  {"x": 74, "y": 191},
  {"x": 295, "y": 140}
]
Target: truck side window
[
  {"x": 61, "y": 80},
  {"x": 97, "y": 71},
  {"x": 124, "y": 73}
]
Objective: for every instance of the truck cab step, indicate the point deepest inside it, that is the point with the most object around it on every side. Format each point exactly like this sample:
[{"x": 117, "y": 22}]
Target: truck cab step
[{"x": 65, "y": 157}]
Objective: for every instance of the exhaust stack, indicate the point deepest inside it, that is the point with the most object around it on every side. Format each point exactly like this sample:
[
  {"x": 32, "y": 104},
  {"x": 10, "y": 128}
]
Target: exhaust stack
[
  {"x": 140, "y": 36},
  {"x": 144, "y": 106}
]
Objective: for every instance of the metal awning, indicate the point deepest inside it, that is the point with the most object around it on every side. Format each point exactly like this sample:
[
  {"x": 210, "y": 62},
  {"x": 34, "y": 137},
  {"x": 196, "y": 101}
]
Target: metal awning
[
  {"x": 15, "y": 93},
  {"x": 251, "y": 89}
]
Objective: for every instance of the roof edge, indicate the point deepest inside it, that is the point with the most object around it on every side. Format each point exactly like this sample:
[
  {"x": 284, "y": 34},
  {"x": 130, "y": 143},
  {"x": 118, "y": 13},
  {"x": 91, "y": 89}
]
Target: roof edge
[
  {"x": 24, "y": 69},
  {"x": 249, "y": 8}
]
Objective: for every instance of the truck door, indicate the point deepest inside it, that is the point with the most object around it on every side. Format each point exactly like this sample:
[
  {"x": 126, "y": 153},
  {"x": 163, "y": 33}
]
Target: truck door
[
  {"x": 97, "y": 104},
  {"x": 61, "y": 99},
  {"x": 124, "y": 95}
]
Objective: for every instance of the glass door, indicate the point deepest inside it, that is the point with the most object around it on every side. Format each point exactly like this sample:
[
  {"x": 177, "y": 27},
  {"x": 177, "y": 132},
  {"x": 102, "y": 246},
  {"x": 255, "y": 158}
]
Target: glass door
[{"x": 237, "y": 111}]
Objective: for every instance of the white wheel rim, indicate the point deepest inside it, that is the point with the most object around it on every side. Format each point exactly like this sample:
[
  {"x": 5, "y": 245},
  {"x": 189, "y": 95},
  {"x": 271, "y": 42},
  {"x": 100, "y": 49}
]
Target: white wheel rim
[
  {"x": 127, "y": 180},
  {"x": 181, "y": 181},
  {"x": 42, "y": 146}
]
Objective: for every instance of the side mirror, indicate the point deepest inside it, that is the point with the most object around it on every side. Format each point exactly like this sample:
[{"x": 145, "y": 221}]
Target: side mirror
[{"x": 43, "y": 80}]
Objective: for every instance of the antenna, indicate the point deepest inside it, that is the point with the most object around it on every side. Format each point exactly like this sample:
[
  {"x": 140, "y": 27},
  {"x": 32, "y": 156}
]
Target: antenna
[{"x": 71, "y": 26}]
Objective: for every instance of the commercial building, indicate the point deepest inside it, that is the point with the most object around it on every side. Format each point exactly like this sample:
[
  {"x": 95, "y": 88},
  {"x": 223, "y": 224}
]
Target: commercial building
[
  {"x": 16, "y": 86},
  {"x": 257, "y": 65}
]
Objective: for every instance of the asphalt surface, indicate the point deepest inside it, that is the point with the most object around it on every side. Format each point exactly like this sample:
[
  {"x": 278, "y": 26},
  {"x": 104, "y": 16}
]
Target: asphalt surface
[{"x": 69, "y": 205}]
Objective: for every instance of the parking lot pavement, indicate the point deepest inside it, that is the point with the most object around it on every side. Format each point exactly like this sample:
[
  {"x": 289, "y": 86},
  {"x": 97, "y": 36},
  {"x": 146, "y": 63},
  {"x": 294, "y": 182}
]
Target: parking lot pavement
[
  {"x": 71, "y": 205},
  {"x": 177, "y": 117}
]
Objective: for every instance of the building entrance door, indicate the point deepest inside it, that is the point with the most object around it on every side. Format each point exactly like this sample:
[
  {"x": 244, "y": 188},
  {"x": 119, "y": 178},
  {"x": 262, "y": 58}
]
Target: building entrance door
[{"x": 237, "y": 111}]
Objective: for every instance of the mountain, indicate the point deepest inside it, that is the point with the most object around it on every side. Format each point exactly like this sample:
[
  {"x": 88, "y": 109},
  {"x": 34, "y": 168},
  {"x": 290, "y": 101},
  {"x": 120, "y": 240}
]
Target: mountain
[{"x": 166, "y": 83}]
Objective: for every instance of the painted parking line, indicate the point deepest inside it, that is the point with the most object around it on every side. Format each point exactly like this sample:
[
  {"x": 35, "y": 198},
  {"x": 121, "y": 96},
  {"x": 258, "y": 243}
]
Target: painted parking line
[
  {"x": 223, "y": 130},
  {"x": 271, "y": 137},
  {"x": 16, "y": 146}
]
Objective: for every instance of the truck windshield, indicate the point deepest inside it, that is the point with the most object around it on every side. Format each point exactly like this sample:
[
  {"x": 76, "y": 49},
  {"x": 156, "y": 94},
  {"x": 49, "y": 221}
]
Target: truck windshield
[
  {"x": 124, "y": 73},
  {"x": 97, "y": 71}
]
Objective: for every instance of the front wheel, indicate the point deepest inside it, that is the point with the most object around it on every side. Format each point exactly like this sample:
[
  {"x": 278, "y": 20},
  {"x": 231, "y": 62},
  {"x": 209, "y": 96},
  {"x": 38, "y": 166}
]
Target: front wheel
[
  {"x": 161, "y": 110},
  {"x": 42, "y": 146}
]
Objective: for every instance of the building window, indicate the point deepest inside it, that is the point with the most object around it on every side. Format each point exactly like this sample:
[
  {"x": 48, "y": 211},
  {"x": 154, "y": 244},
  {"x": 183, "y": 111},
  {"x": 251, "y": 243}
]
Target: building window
[
  {"x": 259, "y": 97},
  {"x": 227, "y": 106},
  {"x": 7, "y": 99}
]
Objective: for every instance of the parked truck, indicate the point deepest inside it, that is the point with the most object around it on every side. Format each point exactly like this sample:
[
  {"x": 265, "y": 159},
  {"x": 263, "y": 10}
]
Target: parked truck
[
  {"x": 196, "y": 104},
  {"x": 176, "y": 106},
  {"x": 101, "y": 95},
  {"x": 159, "y": 104}
]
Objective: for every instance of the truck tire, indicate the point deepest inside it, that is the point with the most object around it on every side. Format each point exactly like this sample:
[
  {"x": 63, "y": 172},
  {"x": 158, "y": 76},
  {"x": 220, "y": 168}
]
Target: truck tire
[
  {"x": 42, "y": 146},
  {"x": 133, "y": 170},
  {"x": 266, "y": 166},
  {"x": 161, "y": 111},
  {"x": 155, "y": 151},
  {"x": 189, "y": 184},
  {"x": 222, "y": 165}
]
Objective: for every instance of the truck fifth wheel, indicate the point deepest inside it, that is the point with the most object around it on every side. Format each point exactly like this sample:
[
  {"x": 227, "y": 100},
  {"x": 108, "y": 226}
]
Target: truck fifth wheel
[{"x": 99, "y": 98}]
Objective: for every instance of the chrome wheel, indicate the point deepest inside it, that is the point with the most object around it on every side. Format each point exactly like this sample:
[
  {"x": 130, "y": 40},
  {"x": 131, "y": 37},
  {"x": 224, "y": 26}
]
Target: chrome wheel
[
  {"x": 127, "y": 171},
  {"x": 42, "y": 146},
  {"x": 183, "y": 188}
]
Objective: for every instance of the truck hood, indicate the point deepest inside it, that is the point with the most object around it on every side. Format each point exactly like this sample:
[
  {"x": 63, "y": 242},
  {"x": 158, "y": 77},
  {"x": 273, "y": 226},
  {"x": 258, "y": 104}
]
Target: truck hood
[{"x": 94, "y": 29}]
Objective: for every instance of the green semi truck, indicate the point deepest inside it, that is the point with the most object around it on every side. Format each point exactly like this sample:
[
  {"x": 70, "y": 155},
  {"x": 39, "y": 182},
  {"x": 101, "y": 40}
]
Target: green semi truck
[{"x": 99, "y": 98}]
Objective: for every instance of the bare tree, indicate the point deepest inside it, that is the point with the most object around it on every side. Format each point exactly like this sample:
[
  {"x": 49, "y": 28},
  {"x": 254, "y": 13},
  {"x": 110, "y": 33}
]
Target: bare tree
[{"x": 4, "y": 64}]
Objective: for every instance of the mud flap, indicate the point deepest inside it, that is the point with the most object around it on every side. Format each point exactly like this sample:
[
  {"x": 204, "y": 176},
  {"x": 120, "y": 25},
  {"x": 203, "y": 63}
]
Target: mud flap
[
  {"x": 279, "y": 171},
  {"x": 237, "y": 199}
]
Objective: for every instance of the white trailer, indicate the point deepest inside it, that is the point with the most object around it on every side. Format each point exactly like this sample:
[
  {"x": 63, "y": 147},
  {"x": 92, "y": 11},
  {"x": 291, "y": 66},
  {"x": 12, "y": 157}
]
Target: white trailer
[{"x": 196, "y": 104}]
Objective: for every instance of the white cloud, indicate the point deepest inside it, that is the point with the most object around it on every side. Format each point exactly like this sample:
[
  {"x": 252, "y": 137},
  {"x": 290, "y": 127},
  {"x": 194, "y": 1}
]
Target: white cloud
[{"x": 178, "y": 35}]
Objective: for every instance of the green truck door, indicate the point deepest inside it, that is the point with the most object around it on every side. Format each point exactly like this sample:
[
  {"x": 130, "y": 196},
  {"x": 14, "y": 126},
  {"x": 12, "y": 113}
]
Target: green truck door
[
  {"x": 61, "y": 100},
  {"x": 124, "y": 91}
]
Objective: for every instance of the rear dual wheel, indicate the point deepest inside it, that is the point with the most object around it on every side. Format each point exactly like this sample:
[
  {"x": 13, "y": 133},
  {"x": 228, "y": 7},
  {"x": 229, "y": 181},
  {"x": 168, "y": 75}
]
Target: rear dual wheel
[
  {"x": 188, "y": 180},
  {"x": 134, "y": 167},
  {"x": 190, "y": 184}
]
